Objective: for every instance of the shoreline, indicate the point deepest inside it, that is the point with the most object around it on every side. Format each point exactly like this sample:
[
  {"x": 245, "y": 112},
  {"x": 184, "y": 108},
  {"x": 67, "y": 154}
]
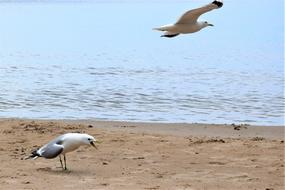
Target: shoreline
[
  {"x": 143, "y": 122},
  {"x": 154, "y": 156},
  {"x": 176, "y": 129}
]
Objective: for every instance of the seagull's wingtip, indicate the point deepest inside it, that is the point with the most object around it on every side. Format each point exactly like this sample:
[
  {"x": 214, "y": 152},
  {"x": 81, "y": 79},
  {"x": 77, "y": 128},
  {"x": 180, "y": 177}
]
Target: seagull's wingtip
[{"x": 219, "y": 3}]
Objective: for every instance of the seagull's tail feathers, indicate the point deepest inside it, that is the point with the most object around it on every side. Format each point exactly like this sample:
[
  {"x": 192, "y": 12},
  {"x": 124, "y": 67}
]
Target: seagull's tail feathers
[
  {"x": 34, "y": 155},
  {"x": 168, "y": 31},
  {"x": 164, "y": 28},
  {"x": 158, "y": 29}
]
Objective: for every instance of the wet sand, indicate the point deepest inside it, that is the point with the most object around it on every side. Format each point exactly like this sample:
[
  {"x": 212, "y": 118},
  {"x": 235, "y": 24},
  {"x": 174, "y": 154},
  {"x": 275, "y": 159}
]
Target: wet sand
[{"x": 144, "y": 156}]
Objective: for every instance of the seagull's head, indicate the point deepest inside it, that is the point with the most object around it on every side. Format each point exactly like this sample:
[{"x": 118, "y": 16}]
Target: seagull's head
[
  {"x": 207, "y": 24},
  {"x": 89, "y": 140}
]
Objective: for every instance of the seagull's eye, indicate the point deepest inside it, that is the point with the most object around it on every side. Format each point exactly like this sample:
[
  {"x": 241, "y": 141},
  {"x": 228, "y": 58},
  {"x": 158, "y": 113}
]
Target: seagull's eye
[{"x": 89, "y": 139}]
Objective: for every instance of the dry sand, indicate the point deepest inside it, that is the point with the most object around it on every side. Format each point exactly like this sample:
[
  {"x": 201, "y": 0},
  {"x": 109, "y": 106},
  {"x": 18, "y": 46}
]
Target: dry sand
[{"x": 144, "y": 156}]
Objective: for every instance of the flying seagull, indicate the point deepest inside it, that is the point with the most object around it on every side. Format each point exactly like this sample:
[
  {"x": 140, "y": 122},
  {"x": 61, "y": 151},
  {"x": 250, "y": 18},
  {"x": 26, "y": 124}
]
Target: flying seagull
[
  {"x": 62, "y": 145},
  {"x": 188, "y": 23}
]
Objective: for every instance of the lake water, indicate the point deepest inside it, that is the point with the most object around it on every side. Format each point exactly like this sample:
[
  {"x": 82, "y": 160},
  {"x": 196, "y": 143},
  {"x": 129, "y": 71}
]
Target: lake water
[{"x": 65, "y": 61}]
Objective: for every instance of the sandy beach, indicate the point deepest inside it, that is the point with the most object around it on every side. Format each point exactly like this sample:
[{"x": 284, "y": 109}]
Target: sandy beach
[{"x": 144, "y": 156}]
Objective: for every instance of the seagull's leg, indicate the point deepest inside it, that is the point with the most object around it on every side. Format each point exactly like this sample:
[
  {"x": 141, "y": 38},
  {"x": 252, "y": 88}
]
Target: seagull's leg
[
  {"x": 60, "y": 162},
  {"x": 64, "y": 162}
]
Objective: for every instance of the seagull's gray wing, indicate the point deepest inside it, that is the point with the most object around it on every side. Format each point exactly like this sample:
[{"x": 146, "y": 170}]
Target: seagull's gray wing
[
  {"x": 192, "y": 15},
  {"x": 51, "y": 151}
]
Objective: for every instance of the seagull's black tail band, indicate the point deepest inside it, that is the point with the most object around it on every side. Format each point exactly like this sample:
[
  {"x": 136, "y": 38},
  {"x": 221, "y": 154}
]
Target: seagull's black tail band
[{"x": 33, "y": 155}]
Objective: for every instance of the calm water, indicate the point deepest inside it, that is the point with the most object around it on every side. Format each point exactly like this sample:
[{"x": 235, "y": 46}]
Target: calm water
[{"x": 59, "y": 61}]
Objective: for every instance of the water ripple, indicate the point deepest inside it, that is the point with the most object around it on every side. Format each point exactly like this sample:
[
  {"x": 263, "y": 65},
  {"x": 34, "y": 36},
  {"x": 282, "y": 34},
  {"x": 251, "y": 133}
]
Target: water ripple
[{"x": 155, "y": 93}]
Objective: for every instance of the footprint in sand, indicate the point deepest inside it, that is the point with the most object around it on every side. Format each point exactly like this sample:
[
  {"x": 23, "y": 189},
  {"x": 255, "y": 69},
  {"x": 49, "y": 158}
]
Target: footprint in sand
[
  {"x": 44, "y": 169},
  {"x": 217, "y": 163}
]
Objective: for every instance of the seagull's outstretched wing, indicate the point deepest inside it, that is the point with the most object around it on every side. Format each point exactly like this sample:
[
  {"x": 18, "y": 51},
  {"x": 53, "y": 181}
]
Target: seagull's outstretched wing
[{"x": 192, "y": 15}]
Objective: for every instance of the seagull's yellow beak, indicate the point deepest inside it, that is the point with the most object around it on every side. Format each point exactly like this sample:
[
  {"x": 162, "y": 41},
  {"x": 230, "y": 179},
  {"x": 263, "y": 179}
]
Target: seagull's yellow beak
[{"x": 92, "y": 144}]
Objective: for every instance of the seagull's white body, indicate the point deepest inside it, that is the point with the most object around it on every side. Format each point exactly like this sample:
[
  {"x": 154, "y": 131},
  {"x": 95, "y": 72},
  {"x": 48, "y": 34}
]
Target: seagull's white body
[
  {"x": 67, "y": 142},
  {"x": 182, "y": 28},
  {"x": 62, "y": 145},
  {"x": 188, "y": 23}
]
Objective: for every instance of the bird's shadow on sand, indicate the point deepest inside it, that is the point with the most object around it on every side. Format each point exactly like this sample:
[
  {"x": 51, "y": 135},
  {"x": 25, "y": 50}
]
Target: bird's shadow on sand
[{"x": 60, "y": 171}]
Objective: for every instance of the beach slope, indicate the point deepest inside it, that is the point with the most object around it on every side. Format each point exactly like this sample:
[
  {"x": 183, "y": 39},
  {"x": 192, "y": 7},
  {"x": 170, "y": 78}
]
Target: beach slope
[{"x": 144, "y": 156}]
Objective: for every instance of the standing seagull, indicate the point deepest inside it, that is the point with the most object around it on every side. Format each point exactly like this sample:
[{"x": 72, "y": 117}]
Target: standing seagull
[
  {"x": 62, "y": 145},
  {"x": 188, "y": 23}
]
